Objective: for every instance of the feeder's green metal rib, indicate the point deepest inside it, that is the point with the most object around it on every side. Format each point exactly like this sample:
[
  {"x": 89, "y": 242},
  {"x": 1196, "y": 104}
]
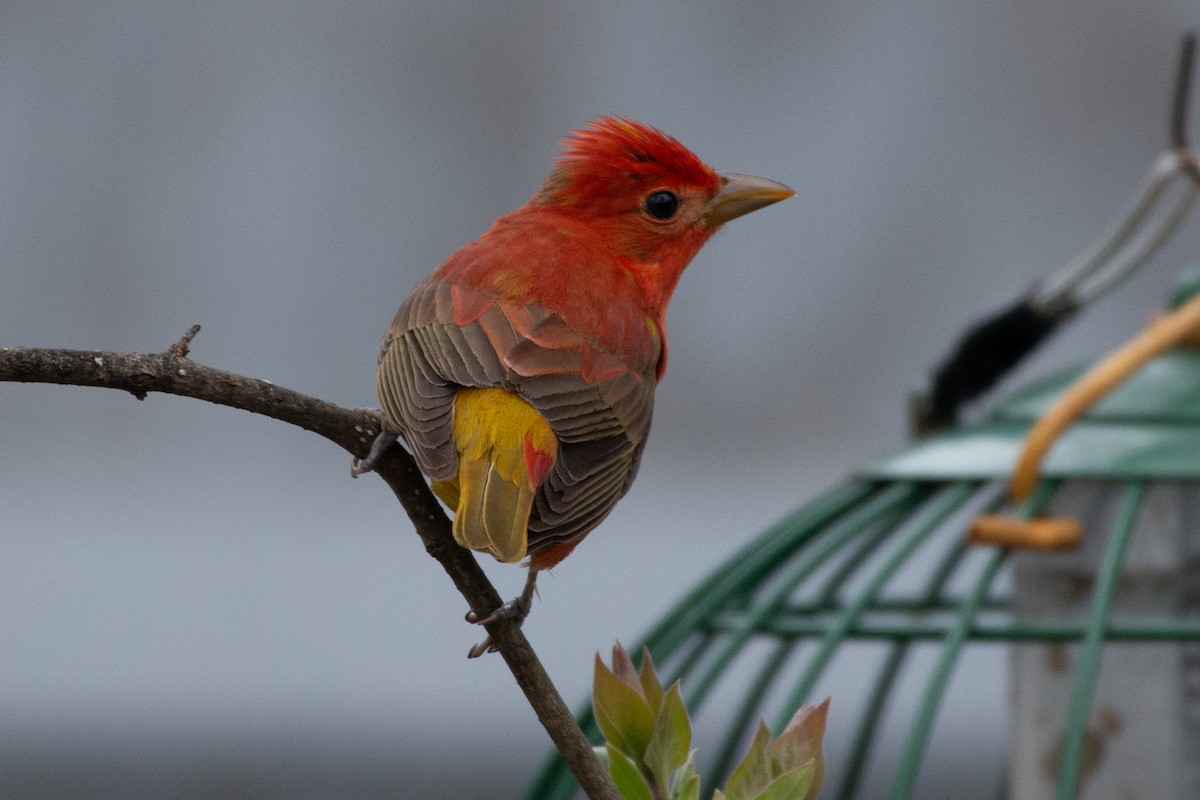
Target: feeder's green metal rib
[
  {"x": 749, "y": 565},
  {"x": 1160, "y": 630},
  {"x": 688, "y": 661},
  {"x": 928, "y": 519},
  {"x": 941, "y": 576},
  {"x": 864, "y": 736},
  {"x": 750, "y": 704},
  {"x": 910, "y": 764},
  {"x": 923, "y": 524},
  {"x": 1151, "y": 630},
  {"x": 851, "y": 562},
  {"x": 893, "y": 604},
  {"x": 881, "y": 508},
  {"x": 1089, "y": 655}
]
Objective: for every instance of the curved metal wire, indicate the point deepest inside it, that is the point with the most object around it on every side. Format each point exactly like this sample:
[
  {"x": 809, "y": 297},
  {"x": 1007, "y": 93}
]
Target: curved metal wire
[
  {"x": 1148, "y": 221},
  {"x": 1162, "y": 201},
  {"x": 852, "y": 613},
  {"x": 956, "y": 636},
  {"x": 1089, "y": 660}
]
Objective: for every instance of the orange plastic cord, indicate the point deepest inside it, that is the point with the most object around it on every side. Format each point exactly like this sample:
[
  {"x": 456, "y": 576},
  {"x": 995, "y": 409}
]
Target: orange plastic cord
[
  {"x": 1173, "y": 329},
  {"x": 1165, "y": 332},
  {"x": 1027, "y": 534}
]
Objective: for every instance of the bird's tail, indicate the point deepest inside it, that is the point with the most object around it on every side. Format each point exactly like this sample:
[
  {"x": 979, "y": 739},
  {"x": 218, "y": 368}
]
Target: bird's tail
[{"x": 505, "y": 450}]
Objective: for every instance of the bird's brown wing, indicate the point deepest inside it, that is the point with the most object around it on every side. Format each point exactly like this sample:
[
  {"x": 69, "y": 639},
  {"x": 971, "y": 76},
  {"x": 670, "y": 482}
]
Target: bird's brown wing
[{"x": 446, "y": 336}]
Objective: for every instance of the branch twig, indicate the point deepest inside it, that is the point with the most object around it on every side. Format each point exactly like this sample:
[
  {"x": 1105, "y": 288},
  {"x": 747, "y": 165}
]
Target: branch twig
[{"x": 171, "y": 372}]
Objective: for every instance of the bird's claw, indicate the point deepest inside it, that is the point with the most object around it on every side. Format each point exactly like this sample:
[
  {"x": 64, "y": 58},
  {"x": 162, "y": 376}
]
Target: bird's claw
[
  {"x": 516, "y": 609},
  {"x": 385, "y": 439},
  {"x": 486, "y": 646}
]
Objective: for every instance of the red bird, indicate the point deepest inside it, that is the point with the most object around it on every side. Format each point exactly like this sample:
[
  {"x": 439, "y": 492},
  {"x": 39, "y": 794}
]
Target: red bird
[{"x": 521, "y": 373}]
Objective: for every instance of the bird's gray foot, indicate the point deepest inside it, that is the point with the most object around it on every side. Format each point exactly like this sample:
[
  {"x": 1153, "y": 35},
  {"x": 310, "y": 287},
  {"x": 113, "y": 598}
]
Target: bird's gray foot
[
  {"x": 516, "y": 609},
  {"x": 385, "y": 439}
]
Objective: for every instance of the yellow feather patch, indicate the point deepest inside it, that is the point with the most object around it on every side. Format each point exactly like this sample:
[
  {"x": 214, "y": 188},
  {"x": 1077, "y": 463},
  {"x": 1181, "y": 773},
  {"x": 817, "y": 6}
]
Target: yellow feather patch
[
  {"x": 499, "y": 438},
  {"x": 447, "y": 491}
]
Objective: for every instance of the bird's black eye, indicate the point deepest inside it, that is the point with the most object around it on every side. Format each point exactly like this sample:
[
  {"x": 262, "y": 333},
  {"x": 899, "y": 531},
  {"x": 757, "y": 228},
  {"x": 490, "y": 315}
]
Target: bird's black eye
[{"x": 662, "y": 204}]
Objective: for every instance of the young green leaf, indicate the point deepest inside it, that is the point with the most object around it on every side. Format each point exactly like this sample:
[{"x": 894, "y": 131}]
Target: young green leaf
[
  {"x": 683, "y": 776},
  {"x": 753, "y": 775},
  {"x": 622, "y": 667},
  {"x": 800, "y": 742},
  {"x": 688, "y": 790},
  {"x": 622, "y": 713},
  {"x": 794, "y": 785},
  {"x": 627, "y": 777},
  {"x": 651, "y": 686},
  {"x": 672, "y": 737}
]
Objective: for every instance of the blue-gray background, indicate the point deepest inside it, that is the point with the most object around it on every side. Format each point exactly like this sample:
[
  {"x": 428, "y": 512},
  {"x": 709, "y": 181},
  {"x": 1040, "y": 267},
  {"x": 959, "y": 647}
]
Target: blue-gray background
[{"x": 196, "y": 602}]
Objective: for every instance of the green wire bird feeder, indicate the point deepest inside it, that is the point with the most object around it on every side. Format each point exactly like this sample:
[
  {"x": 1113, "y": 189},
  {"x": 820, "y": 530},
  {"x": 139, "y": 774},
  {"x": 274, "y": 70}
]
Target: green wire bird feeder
[{"x": 872, "y": 594}]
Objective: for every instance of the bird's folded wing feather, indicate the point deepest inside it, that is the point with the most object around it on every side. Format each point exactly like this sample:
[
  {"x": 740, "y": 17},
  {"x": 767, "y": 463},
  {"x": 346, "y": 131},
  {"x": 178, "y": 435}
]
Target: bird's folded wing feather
[{"x": 447, "y": 336}]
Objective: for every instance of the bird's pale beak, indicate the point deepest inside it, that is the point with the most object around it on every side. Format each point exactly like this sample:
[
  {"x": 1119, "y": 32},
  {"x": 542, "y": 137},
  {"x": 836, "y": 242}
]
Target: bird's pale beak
[{"x": 741, "y": 194}]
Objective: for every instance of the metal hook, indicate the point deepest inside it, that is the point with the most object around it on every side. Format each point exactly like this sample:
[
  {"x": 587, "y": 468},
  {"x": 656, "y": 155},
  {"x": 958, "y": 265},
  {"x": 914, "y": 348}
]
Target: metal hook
[
  {"x": 1129, "y": 243},
  {"x": 1146, "y": 224}
]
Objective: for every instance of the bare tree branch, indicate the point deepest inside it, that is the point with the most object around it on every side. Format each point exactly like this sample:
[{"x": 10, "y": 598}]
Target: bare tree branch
[{"x": 171, "y": 372}]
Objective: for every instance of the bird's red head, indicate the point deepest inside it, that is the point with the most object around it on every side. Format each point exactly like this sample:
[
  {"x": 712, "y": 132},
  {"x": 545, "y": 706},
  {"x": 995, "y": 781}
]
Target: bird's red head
[
  {"x": 651, "y": 201},
  {"x": 609, "y": 166}
]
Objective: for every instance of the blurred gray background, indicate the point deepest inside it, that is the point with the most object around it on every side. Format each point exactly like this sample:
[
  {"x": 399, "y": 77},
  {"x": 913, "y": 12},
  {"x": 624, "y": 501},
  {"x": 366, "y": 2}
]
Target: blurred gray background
[{"x": 196, "y": 602}]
